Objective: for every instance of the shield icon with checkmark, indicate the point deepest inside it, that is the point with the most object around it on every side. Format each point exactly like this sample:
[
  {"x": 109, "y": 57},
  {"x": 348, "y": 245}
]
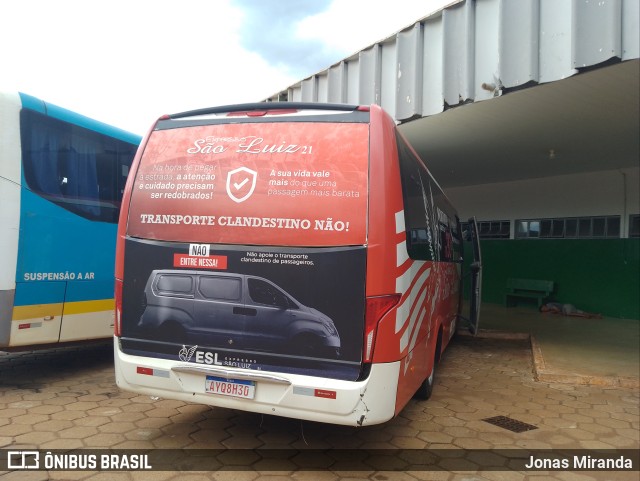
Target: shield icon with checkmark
[{"x": 241, "y": 183}]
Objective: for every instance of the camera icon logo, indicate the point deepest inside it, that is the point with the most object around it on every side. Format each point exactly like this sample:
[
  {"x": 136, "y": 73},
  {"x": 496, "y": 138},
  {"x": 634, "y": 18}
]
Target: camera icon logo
[{"x": 23, "y": 460}]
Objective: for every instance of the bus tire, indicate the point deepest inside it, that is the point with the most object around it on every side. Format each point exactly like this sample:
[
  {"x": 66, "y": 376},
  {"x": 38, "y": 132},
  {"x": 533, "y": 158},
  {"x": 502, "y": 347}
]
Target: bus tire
[{"x": 426, "y": 388}]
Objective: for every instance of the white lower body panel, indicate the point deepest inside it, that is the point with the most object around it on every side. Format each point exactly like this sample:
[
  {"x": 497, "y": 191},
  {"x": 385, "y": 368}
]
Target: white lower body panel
[
  {"x": 54, "y": 327},
  {"x": 361, "y": 403},
  {"x": 90, "y": 325}
]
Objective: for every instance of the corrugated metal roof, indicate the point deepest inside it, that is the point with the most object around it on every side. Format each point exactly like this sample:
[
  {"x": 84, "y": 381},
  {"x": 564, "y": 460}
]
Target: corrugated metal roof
[{"x": 476, "y": 50}]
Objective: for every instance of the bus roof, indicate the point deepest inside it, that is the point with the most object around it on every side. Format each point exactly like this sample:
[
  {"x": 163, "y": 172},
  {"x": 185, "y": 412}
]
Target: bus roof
[{"x": 33, "y": 103}]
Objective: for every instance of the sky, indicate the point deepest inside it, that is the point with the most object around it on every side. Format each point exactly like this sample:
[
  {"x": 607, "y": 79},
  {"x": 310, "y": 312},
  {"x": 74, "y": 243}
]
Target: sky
[{"x": 127, "y": 62}]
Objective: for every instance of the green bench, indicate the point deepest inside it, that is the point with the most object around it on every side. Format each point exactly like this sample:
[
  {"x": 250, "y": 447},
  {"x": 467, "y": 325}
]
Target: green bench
[{"x": 528, "y": 289}]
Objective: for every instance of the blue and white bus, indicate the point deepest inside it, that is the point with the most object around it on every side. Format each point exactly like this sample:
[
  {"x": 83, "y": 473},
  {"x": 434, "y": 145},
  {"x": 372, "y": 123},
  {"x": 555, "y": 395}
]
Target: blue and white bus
[{"x": 61, "y": 181}]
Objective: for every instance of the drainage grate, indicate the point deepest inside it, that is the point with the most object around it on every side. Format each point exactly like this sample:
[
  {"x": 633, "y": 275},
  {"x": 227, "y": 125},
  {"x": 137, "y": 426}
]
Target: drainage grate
[{"x": 510, "y": 424}]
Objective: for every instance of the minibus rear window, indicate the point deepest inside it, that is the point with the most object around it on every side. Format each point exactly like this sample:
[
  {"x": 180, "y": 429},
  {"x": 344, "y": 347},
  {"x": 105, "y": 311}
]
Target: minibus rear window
[{"x": 272, "y": 183}]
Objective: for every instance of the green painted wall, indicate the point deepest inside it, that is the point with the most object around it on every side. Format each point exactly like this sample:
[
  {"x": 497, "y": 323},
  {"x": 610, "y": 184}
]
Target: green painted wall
[{"x": 595, "y": 275}]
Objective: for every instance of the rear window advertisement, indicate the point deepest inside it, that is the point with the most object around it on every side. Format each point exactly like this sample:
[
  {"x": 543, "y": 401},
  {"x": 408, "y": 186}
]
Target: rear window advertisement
[
  {"x": 264, "y": 308},
  {"x": 278, "y": 183}
]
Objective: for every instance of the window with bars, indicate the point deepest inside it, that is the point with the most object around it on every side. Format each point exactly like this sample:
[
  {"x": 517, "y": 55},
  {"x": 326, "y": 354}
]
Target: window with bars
[
  {"x": 491, "y": 229},
  {"x": 597, "y": 227},
  {"x": 634, "y": 225}
]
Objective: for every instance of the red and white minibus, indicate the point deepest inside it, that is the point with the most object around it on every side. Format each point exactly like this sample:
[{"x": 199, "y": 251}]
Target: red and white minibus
[{"x": 283, "y": 258}]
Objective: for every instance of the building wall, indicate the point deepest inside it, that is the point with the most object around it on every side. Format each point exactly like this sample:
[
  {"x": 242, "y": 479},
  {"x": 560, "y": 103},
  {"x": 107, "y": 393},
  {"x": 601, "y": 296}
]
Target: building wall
[
  {"x": 596, "y": 275},
  {"x": 588, "y": 194}
]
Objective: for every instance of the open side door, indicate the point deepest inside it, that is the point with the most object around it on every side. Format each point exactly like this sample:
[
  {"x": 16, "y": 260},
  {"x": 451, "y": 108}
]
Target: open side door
[{"x": 476, "y": 277}]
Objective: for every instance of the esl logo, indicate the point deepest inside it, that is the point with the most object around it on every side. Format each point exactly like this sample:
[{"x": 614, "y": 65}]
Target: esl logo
[{"x": 199, "y": 250}]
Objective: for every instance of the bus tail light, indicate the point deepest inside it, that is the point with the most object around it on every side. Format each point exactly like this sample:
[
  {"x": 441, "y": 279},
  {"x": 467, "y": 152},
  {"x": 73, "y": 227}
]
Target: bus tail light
[
  {"x": 375, "y": 309},
  {"x": 117, "y": 325}
]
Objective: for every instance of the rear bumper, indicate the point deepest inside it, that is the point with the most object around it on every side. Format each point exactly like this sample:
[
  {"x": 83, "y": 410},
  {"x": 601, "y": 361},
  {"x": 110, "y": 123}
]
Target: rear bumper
[{"x": 367, "y": 402}]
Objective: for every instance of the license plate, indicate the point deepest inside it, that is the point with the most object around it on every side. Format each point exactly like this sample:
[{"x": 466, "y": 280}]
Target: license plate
[{"x": 230, "y": 387}]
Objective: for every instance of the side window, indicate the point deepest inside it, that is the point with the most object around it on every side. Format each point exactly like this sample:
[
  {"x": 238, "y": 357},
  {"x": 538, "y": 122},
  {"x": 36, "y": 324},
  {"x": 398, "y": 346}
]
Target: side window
[
  {"x": 446, "y": 237},
  {"x": 223, "y": 288},
  {"x": 264, "y": 293},
  {"x": 173, "y": 284},
  {"x": 456, "y": 234},
  {"x": 73, "y": 167},
  {"x": 419, "y": 218},
  {"x": 429, "y": 218}
]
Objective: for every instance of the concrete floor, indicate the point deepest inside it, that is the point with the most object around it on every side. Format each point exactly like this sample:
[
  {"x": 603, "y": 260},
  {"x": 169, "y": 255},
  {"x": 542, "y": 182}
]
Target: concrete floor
[
  {"x": 67, "y": 399},
  {"x": 601, "y": 348}
]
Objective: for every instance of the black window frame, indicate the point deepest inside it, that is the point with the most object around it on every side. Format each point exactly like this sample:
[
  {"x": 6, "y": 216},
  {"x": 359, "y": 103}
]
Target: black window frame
[
  {"x": 59, "y": 157},
  {"x": 431, "y": 223},
  {"x": 591, "y": 227},
  {"x": 492, "y": 229},
  {"x": 634, "y": 226}
]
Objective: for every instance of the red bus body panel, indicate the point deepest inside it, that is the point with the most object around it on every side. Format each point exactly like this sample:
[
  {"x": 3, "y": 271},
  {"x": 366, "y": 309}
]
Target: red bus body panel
[{"x": 430, "y": 300}]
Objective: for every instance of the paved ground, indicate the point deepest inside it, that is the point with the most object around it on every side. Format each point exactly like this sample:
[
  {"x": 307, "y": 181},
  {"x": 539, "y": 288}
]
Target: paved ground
[
  {"x": 67, "y": 399},
  {"x": 607, "y": 350}
]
